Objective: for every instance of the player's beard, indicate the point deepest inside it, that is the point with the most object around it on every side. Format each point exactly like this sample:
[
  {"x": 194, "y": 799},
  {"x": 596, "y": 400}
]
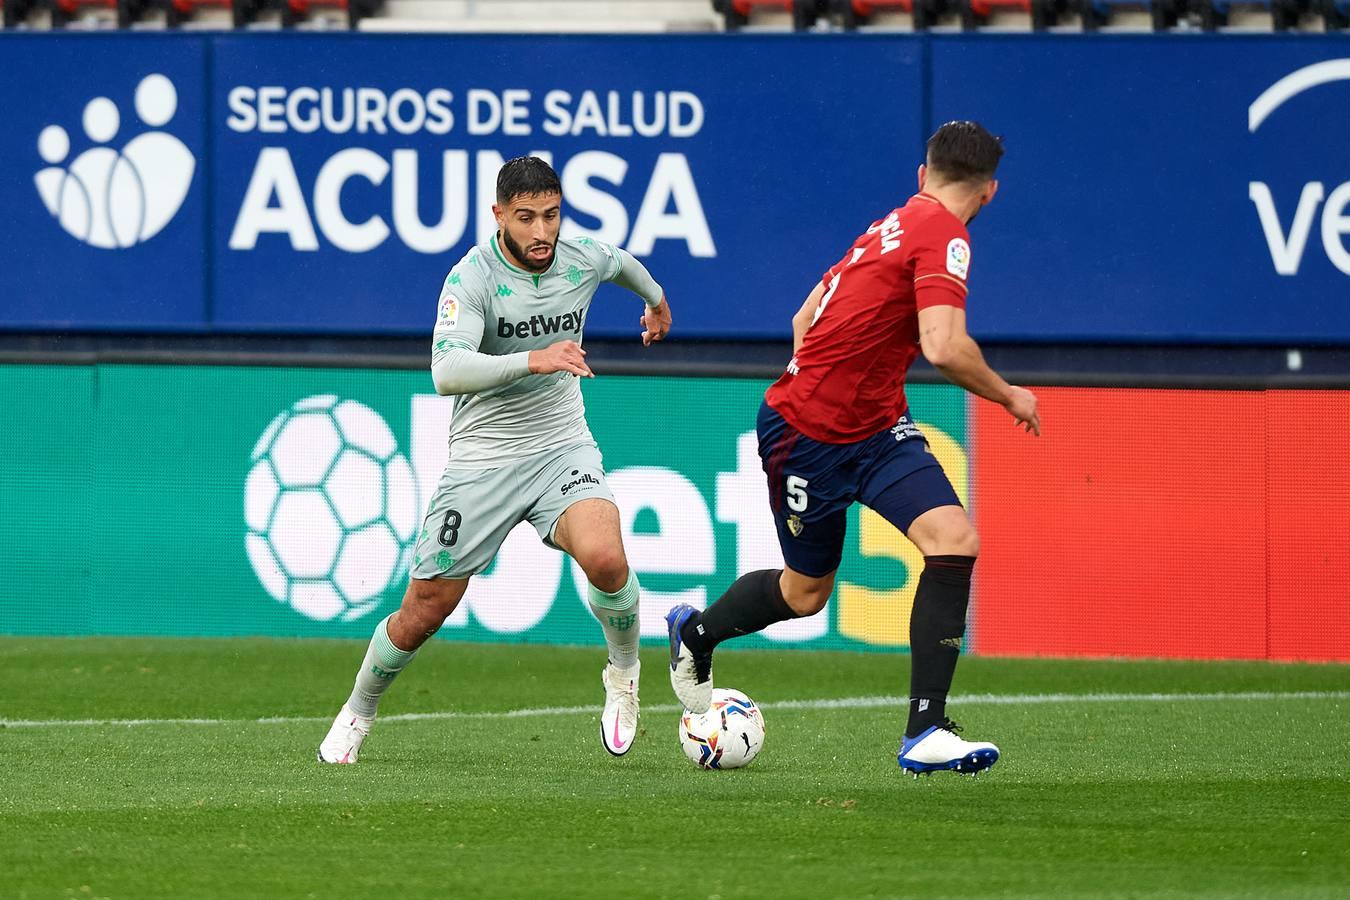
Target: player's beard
[{"x": 519, "y": 253}]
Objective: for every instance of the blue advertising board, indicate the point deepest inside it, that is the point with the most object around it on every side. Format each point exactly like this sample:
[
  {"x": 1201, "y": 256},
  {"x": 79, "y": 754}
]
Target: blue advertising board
[
  {"x": 1156, "y": 188},
  {"x": 344, "y": 174},
  {"x": 103, "y": 223},
  {"x": 1168, "y": 190},
  {"x": 350, "y": 175}
]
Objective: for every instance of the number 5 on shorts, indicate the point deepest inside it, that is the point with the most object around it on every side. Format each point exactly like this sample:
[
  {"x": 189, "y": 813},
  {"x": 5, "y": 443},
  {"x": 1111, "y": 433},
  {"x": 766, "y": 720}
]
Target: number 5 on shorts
[{"x": 796, "y": 493}]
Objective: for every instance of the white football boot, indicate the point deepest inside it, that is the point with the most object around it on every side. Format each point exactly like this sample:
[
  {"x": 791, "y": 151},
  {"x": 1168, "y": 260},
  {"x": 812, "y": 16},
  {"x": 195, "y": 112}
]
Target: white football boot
[
  {"x": 343, "y": 743},
  {"x": 938, "y": 749},
  {"x": 619, "y": 721},
  {"x": 690, "y": 675}
]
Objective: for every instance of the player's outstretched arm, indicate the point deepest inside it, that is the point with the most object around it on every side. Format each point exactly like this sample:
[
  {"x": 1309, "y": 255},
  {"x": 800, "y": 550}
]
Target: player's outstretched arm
[
  {"x": 805, "y": 317},
  {"x": 564, "y": 356},
  {"x": 954, "y": 353},
  {"x": 459, "y": 370},
  {"x": 656, "y": 322},
  {"x": 633, "y": 275},
  {"x": 457, "y": 366}
]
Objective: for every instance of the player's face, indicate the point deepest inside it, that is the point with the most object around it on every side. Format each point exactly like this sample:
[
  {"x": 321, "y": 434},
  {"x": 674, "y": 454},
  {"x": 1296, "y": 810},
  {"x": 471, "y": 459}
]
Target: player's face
[{"x": 529, "y": 226}]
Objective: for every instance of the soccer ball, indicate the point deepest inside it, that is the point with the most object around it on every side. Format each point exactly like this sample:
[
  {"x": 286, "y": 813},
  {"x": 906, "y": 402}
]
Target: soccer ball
[
  {"x": 729, "y": 735},
  {"x": 331, "y": 508}
]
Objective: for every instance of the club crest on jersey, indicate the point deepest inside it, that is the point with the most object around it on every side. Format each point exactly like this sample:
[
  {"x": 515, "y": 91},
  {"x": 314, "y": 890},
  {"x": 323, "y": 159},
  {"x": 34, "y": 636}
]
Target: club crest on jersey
[
  {"x": 795, "y": 525},
  {"x": 449, "y": 314},
  {"x": 958, "y": 258}
]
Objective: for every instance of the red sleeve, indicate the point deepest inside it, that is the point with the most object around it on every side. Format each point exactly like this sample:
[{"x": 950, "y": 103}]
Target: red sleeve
[
  {"x": 941, "y": 267},
  {"x": 938, "y": 292}
]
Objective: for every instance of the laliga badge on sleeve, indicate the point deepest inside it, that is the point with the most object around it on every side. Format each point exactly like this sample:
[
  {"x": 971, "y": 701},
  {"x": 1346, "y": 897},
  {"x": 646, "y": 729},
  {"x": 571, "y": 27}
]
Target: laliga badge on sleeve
[
  {"x": 958, "y": 258},
  {"x": 449, "y": 315}
]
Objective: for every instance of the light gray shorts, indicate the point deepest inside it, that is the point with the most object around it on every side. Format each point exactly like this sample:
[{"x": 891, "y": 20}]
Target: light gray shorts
[{"x": 473, "y": 510}]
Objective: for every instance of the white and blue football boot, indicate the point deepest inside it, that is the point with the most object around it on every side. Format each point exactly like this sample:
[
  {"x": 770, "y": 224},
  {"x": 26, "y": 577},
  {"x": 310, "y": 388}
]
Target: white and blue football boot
[
  {"x": 938, "y": 749},
  {"x": 690, "y": 675}
]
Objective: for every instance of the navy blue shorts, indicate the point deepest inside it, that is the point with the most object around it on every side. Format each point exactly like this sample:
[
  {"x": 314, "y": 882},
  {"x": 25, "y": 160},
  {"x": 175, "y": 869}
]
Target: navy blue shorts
[{"x": 812, "y": 485}]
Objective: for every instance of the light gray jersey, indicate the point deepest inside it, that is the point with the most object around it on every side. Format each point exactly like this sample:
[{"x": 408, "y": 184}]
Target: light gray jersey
[{"x": 492, "y": 307}]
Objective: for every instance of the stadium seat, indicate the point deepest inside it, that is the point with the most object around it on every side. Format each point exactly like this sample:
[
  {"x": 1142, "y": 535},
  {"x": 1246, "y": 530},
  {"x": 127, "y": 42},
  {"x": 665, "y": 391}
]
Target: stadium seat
[
  {"x": 16, "y": 11},
  {"x": 1043, "y": 13},
  {"x": 1215, "y": 14},
  {"x": 293, "y": 12},
  {"x": 66, "y": 11},
  {"x": 1336, "y": 14},
  {"x": 546, "y": 16},
  {"x": 1097, "y": 13},
  {"x": 855, "y": 13},
  {"x": 737, "y": 13},
  {"x": 176, "y": 12}
]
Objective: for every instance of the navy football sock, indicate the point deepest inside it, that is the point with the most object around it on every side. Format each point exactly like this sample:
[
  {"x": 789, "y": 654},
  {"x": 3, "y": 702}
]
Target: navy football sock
[
  {"x": 936, "y": 627},
  {"x": 753, "y": 603}
]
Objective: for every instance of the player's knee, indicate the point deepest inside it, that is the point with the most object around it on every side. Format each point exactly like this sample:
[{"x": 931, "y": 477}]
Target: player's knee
[
  {"x": 809, "y": 599},
  {"x": 606, "y": 568},
  {"x": 963, "y": 541},
  {"x": 805, "y": 595},
  {"x": 807, "y": 604},
  {"x": 430, "y": 600}
]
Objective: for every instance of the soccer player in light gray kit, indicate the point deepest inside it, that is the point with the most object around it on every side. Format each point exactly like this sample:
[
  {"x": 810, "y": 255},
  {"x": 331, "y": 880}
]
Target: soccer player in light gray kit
[{"x": 507, "y": 346}]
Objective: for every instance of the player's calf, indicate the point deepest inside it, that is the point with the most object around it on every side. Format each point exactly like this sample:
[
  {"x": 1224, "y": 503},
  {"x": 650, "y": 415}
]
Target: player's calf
[
  {"x": 754, "y": 602},
  {"x": 383, "y": 661},
  {"x": 426, "y": 604}
]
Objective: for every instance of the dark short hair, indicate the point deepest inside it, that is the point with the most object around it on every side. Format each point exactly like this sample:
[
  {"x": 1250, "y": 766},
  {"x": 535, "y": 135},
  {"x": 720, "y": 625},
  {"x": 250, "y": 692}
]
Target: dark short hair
[
  {"x": 528, "y": 175},
  {"x": 964, "y": 151}
]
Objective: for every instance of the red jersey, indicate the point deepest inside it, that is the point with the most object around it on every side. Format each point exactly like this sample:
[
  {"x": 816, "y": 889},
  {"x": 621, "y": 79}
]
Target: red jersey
[{"x": 847, "y": 382}]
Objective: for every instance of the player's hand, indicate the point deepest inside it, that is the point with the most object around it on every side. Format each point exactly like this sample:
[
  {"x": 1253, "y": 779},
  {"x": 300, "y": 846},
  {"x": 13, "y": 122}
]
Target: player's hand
[
  {"x": 655, "y": 323},
  {"x": 1021, "y": 405},
  {"x": 564, "y": 356}
]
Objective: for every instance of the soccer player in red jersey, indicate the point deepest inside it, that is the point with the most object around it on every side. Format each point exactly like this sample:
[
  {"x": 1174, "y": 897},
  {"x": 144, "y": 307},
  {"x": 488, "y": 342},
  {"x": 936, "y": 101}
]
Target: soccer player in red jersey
[{"x": 835, "y": 429}]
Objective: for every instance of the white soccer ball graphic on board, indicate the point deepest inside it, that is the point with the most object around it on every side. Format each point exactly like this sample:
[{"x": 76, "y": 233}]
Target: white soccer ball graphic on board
[{"x": 331, "y": 508}]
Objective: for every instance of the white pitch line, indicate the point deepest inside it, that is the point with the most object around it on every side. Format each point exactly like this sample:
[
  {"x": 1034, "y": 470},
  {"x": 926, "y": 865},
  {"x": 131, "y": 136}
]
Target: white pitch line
[
  {"x": 836, "y": 703},
  {"x": 1030, "y": 699}
]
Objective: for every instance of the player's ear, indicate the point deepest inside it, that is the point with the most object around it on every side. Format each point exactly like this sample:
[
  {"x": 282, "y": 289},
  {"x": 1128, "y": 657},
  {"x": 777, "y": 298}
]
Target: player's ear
[
  {"x": 499, "y": 215},
  {"x": 923, "y": 176},
  {"x": 990, "y": 190}
]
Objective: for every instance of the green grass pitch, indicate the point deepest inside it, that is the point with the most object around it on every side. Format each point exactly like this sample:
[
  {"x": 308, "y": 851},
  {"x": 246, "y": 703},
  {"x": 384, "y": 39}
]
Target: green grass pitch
[{"x": 1145, "y": 795}]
